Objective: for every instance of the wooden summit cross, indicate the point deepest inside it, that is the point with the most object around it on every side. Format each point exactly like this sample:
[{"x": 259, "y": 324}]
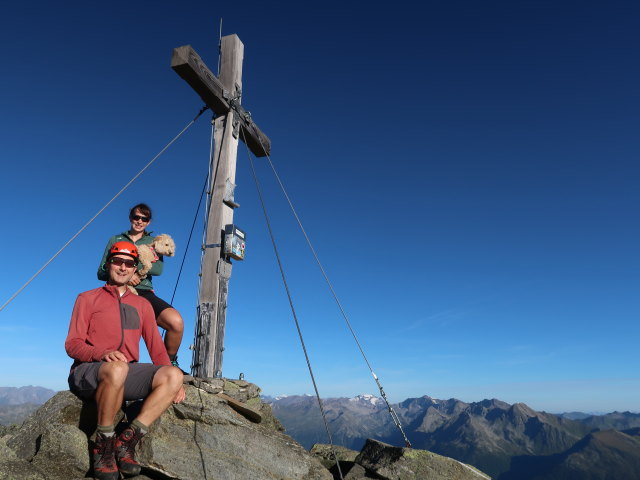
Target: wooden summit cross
[{"x": 232, "y": 122}]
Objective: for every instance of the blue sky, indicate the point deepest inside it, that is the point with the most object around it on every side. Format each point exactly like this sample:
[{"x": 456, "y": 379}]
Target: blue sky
[{"x": 467, "y": 171}]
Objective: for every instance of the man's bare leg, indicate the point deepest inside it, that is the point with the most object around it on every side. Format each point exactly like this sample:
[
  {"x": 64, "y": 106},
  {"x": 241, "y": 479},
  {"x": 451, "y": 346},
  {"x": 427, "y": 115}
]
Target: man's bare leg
[
  {"x": 110, "y": 392},
  {"x": 166, "y": 383},
  {"x": 109, "y": 396}
]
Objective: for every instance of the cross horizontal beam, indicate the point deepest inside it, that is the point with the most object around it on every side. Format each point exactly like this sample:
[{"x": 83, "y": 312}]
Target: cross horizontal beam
[{"x": 188, "y": 64}]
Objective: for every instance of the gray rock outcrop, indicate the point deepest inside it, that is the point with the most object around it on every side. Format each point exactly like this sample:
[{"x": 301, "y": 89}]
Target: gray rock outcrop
[
  {"x": 201, "y": 438},
  {"x": 327, "y": 454},
  {"x": 204, "y": 438},
  {"x": 385, "y": 462}
]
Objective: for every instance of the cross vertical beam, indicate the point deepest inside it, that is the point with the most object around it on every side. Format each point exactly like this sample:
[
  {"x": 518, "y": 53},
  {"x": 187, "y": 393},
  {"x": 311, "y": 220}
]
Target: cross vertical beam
[
  {"x": 223, "y": 96},
  {"x": 216, "y": 270}
]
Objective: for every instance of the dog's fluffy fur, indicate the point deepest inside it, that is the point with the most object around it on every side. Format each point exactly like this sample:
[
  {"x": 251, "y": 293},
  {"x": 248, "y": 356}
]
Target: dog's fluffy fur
[{"x": 162, "y": 245}]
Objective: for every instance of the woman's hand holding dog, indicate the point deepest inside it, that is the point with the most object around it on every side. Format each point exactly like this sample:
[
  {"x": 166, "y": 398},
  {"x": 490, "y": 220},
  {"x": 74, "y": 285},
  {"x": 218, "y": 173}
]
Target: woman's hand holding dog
[{"x": 135, "y": 280}]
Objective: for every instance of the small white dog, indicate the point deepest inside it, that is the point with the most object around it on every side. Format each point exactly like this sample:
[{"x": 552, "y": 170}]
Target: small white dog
[{"x": 147, "y": 254}]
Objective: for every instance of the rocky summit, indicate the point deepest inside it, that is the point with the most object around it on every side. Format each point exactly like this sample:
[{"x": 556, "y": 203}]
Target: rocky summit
[{"x": 222, "y": 431}]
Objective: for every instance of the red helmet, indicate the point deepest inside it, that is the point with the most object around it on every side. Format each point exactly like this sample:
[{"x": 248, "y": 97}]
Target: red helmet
[{"x": 124, "y": 248}]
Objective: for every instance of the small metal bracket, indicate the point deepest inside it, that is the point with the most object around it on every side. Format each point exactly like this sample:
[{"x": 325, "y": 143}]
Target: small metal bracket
[
  {"x": 224, "y": 269},
  {"x": 232, "y": 98},
  {"x": 234, "y": 106},
  {"x": 211, "y": 245},
  {"x": 236, "y": 126},
  {"x": 229, "y": 191}
]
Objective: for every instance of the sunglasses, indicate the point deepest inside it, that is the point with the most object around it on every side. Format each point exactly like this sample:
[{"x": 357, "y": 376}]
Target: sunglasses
[
  {"x": 140, "y": 217},
  {"x": 123, "y": 261}
]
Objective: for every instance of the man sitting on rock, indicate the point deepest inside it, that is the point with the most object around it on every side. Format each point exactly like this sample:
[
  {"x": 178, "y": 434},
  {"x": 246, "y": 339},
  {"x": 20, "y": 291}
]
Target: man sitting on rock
[{"x": 104, "y": 338}]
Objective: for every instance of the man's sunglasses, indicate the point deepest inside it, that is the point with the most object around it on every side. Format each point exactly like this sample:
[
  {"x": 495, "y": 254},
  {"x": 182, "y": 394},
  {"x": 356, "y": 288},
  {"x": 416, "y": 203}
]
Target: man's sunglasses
[
  {"x": 123, "y": 261},
  {"x": 140, "y": 217}
]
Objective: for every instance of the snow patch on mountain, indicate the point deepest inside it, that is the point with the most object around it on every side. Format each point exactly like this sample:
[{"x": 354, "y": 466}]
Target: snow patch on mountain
[{"x": 366, "y": 398}]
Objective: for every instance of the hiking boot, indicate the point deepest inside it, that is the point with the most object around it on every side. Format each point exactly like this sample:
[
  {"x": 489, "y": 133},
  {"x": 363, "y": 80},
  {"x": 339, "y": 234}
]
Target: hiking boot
[
  {"x": 104, "y": 460},
  {"x": 125, "y": 446}
]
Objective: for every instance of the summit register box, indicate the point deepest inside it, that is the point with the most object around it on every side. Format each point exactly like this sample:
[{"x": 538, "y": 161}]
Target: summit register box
[{"x": 234, "y": 240}]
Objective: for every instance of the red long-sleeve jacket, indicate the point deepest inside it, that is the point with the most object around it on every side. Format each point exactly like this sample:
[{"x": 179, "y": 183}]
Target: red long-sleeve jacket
[{"x": 103, "y": 321}]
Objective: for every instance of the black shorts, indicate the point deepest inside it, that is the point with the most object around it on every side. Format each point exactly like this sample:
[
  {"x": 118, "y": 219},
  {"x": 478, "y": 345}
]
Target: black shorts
[
  {"x": 156, "y": 302},
  {"x": 83, "y": 380}
]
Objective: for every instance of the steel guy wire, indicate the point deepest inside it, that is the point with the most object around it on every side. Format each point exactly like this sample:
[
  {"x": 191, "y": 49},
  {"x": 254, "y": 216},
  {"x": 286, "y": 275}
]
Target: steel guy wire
[
  {"x": 392, "y": 412},
  {"x": 293, "y": 311},
  {"x": 212, "y": 175},
  {"x": 202, "y": 110},
  {"x": 195, "y": 219},
  {"x": 211, "y": 178}
]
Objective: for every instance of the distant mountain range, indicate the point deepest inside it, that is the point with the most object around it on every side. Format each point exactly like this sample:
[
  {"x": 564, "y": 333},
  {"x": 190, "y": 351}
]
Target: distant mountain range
[
  {"x": 17, "y": 403},
  {"x": 509, "y": 442},
  {"x": 20, "y": 395}
]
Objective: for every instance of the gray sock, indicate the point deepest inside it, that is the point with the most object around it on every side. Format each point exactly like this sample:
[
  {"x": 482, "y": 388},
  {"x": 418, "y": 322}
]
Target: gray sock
[
  {"x": 106, "y": 430},
  {"x": 138, "y": 425}
]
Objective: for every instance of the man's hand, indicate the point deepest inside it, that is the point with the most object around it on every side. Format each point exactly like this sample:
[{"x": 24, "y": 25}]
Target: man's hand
[
  {"x": 180, "y": 396},
  {"x": 114, "y": 356},
  {"x": 135, "y": 279}
]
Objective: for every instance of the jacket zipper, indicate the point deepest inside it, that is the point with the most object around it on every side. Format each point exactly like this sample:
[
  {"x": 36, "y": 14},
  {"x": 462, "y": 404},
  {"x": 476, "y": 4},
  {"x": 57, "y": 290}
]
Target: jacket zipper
[{"x": 121, "y": 321}]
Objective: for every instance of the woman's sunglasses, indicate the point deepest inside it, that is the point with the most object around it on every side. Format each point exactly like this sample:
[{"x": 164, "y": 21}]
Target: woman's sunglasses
[{"x": 140, "y": 217}]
